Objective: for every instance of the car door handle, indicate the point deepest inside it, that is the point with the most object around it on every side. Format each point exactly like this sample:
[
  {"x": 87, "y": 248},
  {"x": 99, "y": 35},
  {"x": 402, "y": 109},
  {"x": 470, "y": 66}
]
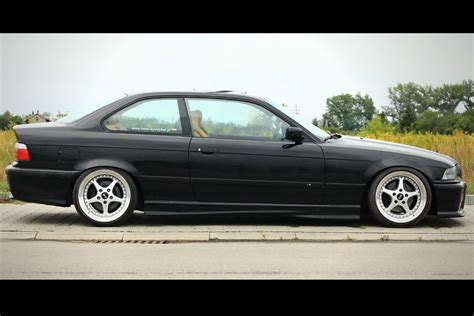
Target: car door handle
[{"x": 207, "y": 150}]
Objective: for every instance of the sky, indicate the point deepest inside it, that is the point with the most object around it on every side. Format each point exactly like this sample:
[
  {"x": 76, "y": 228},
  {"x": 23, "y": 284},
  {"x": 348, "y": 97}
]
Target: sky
[{"x": 70, "y": 72}]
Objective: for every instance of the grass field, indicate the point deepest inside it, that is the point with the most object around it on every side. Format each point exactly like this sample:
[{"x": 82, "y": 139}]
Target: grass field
[
  {"x": 7, "y": 147},
  {"x": 459, "y": 146}
]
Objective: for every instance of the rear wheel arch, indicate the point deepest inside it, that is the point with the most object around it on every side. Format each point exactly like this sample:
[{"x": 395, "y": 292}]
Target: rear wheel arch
[
  {"x": 140, "y": 197},
  {"x": 122, "y": 189},
  {"x": 106, "y": 163}
]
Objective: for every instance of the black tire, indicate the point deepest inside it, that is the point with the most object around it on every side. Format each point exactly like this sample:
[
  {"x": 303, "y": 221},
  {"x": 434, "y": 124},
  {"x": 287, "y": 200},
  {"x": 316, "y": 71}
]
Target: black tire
[
  {"x": 372, "y": 203},
  {"x": 125, "y": 213}
]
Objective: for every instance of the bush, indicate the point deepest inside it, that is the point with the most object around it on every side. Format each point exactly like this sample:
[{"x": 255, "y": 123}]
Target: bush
[{"x": 377, "y": 126}]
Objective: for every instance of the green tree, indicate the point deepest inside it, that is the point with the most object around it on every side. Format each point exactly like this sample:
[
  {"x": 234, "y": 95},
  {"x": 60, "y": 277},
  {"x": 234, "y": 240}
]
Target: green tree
[
  {"x": 435, "y": 122},
  {"x": 465, "y": 121},
  {"x": 430, "y": 109},
  {"x": 47, "y": 115},
  {"x": 408, "y": 100},
  {"x": 449, "y": 96},
  {"x": 467, "y": 88},
  {"x": 7, "y": 120},
  {"x": 59, "y": 116},
  {"x": 348, "y": 112},
  {"x": 427, "y": 122}
]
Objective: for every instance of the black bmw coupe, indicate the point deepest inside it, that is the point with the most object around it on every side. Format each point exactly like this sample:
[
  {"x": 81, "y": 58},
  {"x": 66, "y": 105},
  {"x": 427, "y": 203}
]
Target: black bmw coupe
[{"x": 191, "y": 153}]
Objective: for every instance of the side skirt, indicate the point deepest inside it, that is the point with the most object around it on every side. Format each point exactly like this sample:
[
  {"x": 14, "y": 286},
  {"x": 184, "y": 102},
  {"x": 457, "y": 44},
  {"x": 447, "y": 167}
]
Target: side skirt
[{"x": 207, "y": 208}]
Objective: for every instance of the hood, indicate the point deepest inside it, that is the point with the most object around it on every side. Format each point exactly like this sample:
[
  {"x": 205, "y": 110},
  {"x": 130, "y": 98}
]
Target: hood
[{"x": 379, "y": 145}]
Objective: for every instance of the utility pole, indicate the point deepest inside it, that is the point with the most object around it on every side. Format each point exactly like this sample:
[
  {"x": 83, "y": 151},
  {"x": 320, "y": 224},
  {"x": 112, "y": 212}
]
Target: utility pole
[{"x": 296, "y": 109}]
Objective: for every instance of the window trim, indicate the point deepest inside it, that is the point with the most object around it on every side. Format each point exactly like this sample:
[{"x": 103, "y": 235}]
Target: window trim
[
  {"x": 183, "y": 116},
  {"x": 284, "y": 119}
]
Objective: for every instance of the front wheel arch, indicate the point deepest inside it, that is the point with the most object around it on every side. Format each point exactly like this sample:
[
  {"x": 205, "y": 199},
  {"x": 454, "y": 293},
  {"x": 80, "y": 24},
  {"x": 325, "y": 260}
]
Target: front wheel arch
[
  {"x": 372, "y": 204},
  {"x": 365, "y": 195}
]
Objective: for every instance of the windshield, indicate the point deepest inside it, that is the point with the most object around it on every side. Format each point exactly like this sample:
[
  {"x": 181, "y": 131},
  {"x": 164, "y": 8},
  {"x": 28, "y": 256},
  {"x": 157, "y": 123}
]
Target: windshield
[{"x": 316, "y": 131}]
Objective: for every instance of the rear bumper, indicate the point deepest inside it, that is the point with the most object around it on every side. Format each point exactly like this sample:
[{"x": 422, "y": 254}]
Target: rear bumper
[
  {"x": 52, "y": 187},
  {"x": 450, "y": 198}
]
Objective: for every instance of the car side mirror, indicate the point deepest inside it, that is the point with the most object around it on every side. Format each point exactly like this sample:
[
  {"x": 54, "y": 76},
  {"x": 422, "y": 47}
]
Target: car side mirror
[{"x": 294, "y": 134}]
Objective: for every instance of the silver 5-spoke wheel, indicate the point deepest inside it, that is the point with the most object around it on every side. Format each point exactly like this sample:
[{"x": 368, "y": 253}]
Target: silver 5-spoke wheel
[
  {"x": 400, "y": 197},
  {"x": 105, "y": 196}
]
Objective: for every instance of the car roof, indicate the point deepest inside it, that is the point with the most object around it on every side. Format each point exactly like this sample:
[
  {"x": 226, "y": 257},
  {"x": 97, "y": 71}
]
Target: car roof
[{"x": 219, "y": 93}]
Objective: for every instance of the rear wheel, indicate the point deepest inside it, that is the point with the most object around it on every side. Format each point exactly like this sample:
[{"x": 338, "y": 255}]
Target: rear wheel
[
  {"x": 105, "y": 197},
  {"x": 399, "y": 197}
]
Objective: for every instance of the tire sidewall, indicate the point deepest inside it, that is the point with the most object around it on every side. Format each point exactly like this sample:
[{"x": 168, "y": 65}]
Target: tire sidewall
[
  {"x": 373, "y": 205},
  {"x": 125, "y": 216}
]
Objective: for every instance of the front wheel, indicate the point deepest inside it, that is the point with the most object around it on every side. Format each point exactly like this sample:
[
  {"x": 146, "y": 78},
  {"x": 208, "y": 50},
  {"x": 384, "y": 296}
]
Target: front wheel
[
  {"x": 399, "y": 197},
  {"x": 105, "y": 197}
]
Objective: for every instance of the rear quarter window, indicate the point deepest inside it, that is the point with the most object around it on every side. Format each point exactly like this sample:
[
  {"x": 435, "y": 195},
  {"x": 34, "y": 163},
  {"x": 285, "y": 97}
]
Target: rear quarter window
[{"x": 155, "y": 116}]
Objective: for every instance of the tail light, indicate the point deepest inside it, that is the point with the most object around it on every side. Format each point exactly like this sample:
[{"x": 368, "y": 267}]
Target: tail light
[{"x": 21, "y": 152}]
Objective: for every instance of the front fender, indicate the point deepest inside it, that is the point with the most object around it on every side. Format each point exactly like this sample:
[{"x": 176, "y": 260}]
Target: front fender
[{"x": 428, "y": 171}]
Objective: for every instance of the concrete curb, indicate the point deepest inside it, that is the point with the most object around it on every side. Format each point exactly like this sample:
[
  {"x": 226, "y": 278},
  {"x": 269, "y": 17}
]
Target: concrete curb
[
  {"x": 89, "y": 236},
  {"x": 232, "y": 236}
]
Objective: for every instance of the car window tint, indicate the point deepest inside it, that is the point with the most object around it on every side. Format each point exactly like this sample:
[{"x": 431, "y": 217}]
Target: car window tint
[
  {"x": 148, "y": 116},
  {"x": 234, "y": 119}
]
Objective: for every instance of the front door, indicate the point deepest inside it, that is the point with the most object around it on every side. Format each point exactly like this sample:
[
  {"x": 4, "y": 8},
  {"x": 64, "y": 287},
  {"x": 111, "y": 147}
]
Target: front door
[{"x": 238, "y": 154}]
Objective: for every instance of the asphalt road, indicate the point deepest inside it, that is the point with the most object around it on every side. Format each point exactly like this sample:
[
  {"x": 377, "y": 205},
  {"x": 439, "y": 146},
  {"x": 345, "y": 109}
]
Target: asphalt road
[{"x": 36, "y": 259}]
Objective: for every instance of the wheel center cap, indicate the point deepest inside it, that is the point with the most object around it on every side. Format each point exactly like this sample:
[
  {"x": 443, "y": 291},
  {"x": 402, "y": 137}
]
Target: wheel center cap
[
  {"x": 400, "y": 196},
  {"x": 105, "y": 195}
]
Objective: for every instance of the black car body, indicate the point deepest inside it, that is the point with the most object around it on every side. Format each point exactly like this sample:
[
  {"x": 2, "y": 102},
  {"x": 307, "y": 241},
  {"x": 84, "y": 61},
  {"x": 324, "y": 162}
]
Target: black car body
[{"x": 178, "y": 173}]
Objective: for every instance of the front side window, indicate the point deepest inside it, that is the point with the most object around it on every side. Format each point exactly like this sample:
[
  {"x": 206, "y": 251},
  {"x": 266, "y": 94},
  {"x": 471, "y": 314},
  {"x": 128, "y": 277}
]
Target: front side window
[
  {"x": 148, "y": 116},
  {"x": 234, "y": 119}
]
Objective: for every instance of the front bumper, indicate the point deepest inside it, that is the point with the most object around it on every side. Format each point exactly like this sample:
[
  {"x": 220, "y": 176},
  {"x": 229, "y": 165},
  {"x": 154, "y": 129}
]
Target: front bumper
[
  {"x": 450, "y": 198},
  {"x": 44, "y": 186}
]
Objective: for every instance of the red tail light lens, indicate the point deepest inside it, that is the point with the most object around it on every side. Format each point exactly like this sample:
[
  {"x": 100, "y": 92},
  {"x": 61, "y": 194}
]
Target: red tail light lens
[{"x": 21, "y": 152}]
